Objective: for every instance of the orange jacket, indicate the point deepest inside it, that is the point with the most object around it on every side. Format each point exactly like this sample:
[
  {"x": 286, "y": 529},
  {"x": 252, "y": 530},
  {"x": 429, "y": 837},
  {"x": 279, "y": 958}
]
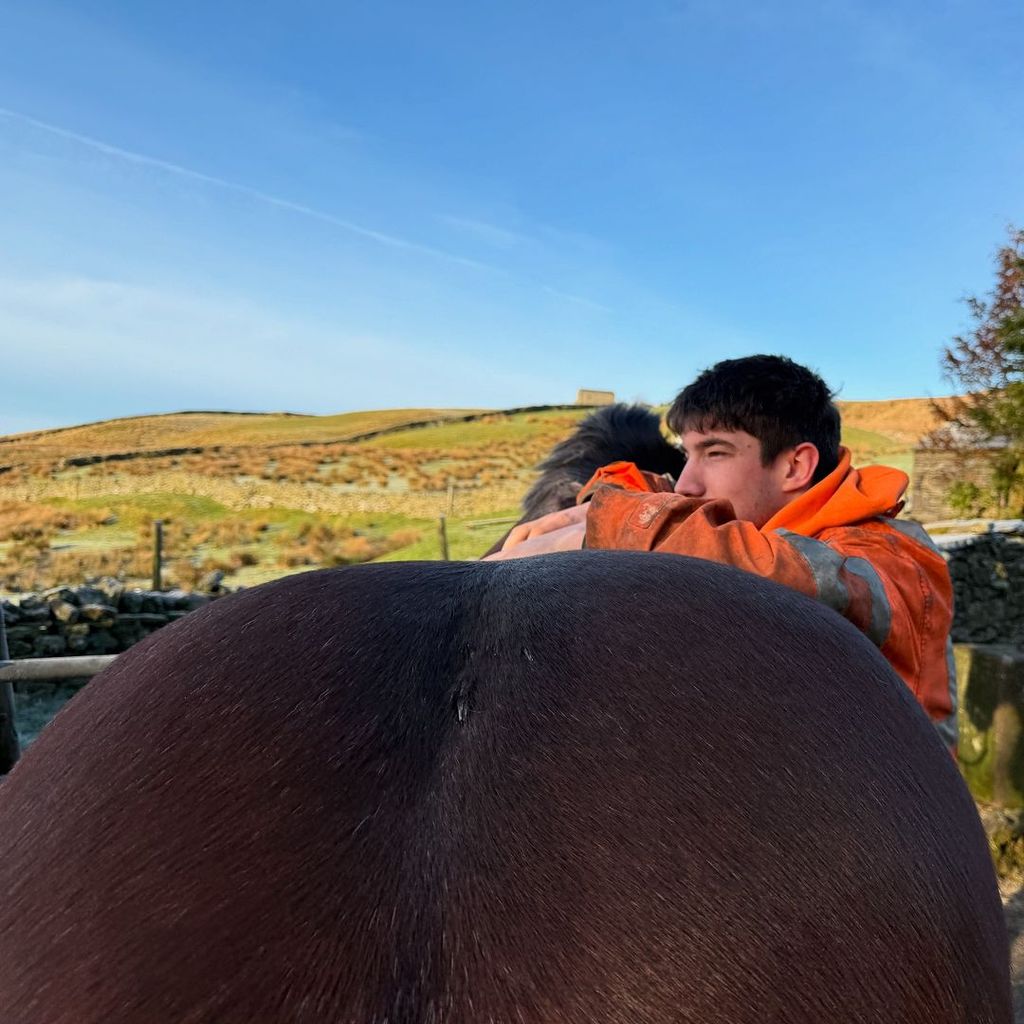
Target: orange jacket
[{"x": 838, "y": 542}]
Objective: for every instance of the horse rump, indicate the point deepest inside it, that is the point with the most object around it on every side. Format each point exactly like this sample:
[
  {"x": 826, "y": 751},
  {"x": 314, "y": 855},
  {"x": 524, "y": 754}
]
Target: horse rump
[{"x": 597, "y": 787}]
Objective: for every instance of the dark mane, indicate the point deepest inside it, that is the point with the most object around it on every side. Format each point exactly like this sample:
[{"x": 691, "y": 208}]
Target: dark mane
[{"x": 629, "y": 432}]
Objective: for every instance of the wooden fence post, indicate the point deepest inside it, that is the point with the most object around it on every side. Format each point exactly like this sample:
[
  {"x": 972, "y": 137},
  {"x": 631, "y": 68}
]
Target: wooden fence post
[
  {"x": 442, "y": 533},
  {"x": 9, "y": 748},
  {"x": 158, "y": 551}
]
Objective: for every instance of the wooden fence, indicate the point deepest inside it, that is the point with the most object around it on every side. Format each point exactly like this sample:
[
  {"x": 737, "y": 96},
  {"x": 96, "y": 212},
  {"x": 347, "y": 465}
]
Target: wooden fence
[{"x": 35, "y": 670}]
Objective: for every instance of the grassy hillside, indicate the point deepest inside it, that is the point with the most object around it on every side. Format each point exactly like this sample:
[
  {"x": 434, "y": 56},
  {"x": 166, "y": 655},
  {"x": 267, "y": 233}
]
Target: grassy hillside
[
  {"x": 869, "y": 447},
  {"x": 259, "y": 496},
  {"x": 904, "y": 420},
  {"x": 205, "y": 429}
]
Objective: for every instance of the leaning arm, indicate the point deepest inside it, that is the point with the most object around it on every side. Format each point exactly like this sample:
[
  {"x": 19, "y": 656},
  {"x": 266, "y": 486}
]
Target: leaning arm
[{"x": 674, "y": 524}]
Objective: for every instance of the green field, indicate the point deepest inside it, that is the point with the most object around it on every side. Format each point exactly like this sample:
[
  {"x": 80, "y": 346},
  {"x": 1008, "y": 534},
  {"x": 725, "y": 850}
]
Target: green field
[{"x": 871, "y": 448}]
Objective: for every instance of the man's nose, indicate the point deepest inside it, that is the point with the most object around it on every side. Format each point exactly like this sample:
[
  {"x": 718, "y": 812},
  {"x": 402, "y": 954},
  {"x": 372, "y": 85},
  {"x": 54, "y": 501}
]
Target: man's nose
[{"x": 689, "y": 483}]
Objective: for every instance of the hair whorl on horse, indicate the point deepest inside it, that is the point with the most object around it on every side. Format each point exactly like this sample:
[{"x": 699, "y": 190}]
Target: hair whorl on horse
[{"x": 530, "y": 791}]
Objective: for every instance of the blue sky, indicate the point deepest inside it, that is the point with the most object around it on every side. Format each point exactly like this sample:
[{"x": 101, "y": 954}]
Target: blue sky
[{"x": 324, "y": 207}]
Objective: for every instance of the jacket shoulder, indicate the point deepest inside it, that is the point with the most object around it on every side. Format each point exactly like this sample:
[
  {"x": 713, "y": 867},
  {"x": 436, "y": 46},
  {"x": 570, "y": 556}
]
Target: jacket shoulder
[{"x": 883, "y": 532}]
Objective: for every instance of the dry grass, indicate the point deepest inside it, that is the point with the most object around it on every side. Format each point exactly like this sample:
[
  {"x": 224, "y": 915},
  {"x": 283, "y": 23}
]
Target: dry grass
[
  {"x": 182, "y": 430},
  {"x": 42, "y": 567},
  {"x": 48, "y": 545},
  {"x": 904, "y": 420},
  {"x": 24, "y": 521}
]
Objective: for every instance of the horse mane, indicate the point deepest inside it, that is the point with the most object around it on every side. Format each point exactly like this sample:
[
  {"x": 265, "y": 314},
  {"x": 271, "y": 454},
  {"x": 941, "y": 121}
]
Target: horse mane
[{"x": 612, "y": 433}]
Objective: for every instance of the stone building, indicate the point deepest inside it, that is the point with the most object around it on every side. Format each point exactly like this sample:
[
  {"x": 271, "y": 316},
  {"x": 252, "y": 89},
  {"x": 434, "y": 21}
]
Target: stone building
[
  {"x": 587, "y": 396},
  {"x": 948, "y": 456}
]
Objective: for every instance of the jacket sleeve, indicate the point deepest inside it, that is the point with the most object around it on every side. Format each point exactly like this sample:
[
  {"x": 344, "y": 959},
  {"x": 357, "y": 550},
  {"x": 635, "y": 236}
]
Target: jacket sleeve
[
  {"x": 675, "y": 524},
  {"x": 895, "y": 589},
  {"x": 626, "y": 476},
  {"x": 914, "y": 612}
]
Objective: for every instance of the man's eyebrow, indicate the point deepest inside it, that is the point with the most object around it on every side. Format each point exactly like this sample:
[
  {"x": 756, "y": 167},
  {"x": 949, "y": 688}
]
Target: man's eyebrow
[{"x": 711, "y": 442}]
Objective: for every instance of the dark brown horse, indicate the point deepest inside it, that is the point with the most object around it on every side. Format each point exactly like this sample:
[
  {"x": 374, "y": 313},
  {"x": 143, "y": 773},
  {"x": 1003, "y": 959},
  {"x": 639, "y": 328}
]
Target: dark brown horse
[{"x": 592, "y": 787}]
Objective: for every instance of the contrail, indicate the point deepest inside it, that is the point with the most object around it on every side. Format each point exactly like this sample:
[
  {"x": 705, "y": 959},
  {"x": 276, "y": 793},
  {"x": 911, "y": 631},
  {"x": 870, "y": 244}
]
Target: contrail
[
  {"x": 246, "y": 190},
  {"x": 579, "y": 300}
]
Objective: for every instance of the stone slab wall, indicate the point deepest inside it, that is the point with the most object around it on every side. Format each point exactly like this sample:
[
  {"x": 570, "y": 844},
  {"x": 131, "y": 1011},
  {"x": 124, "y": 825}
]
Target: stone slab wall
[
  {"x": 988, "y": 586},
  {"x": 101, "y": 618}
]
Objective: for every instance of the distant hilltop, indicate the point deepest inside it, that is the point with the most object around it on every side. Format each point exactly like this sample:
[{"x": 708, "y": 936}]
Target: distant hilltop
[{"x": 904, "y": 420}]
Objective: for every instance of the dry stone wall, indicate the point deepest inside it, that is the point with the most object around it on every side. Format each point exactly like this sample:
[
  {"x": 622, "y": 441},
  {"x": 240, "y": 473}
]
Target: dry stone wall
[
  {"x": 987, "y": 570},
  {"x": 936, "y": 471},
  {"x": 100, "y": 618}
]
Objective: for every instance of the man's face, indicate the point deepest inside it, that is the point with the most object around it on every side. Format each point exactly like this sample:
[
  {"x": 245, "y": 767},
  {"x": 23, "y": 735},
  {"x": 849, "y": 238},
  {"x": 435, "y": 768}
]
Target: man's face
[{"x": 727, "y": 464}]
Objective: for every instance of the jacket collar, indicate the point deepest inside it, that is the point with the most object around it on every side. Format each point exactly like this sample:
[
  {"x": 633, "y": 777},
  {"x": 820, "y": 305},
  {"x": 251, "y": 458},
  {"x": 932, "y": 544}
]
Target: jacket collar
[{"x": 846, "y": 496}]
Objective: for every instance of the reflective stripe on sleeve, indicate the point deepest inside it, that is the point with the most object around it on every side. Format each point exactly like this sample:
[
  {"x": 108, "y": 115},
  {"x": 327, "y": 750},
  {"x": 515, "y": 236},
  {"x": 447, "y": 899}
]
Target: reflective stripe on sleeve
[
  {"x": 825, "y": 564},
  {"x": 881, "y": 610}
]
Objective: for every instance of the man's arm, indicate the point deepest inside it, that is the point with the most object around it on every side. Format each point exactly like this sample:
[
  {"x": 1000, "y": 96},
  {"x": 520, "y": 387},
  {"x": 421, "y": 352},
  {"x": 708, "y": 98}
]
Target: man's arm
[
  {"x": 675, "y": 524},
  {"x": 624, "y": 475},
  {"x": 568, "y": 538},
  {"x": 535, "y": 528}
]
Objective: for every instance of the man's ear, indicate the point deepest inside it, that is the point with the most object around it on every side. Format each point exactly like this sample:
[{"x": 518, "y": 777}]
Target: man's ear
[{"x": 800, "y": 464}]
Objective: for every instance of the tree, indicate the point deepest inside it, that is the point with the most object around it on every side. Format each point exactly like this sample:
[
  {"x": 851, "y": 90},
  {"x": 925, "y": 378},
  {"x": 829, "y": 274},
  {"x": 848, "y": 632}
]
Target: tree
[{"x": 988, "y": 364}]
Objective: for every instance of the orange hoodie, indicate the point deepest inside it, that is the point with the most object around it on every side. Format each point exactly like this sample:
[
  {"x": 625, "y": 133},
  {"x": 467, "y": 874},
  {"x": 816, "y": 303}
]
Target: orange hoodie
[{"x": 838, "y": 542}]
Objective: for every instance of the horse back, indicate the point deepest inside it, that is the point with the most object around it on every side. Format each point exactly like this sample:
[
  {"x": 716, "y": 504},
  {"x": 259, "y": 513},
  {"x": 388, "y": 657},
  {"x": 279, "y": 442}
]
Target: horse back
[{"x": 595, "y": 787}]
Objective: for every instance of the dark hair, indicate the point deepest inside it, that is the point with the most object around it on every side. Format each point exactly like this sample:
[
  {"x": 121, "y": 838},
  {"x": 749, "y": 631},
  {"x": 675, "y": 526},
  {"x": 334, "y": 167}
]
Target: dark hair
[{"x": 779, "y": 402}]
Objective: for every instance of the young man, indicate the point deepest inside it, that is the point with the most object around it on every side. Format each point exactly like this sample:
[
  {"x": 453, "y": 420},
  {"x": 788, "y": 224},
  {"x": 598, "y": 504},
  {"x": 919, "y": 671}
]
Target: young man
[{"x": 767, "y": 488}]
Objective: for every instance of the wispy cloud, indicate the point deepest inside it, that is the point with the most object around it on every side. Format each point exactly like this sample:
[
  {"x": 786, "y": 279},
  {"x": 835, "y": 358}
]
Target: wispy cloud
[
  {"x": 492, "y": 234},
  {"x": 166, "y": 167},
  {"x": 575, "y": 250},
  {"x": 578, "y": 300},
  {"x": 501, "y": 237}
]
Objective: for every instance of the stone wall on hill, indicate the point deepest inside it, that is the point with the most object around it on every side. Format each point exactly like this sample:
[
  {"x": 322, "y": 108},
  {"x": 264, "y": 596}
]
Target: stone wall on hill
[
  {"x": 100, "y": 618},
  {"x": 954, "y": 454}
]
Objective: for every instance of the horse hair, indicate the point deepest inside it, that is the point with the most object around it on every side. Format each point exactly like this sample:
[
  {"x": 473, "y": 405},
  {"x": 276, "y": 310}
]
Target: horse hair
[
  {"x": 591, "y": 788},
  {"x": 613, "y": 433}
]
